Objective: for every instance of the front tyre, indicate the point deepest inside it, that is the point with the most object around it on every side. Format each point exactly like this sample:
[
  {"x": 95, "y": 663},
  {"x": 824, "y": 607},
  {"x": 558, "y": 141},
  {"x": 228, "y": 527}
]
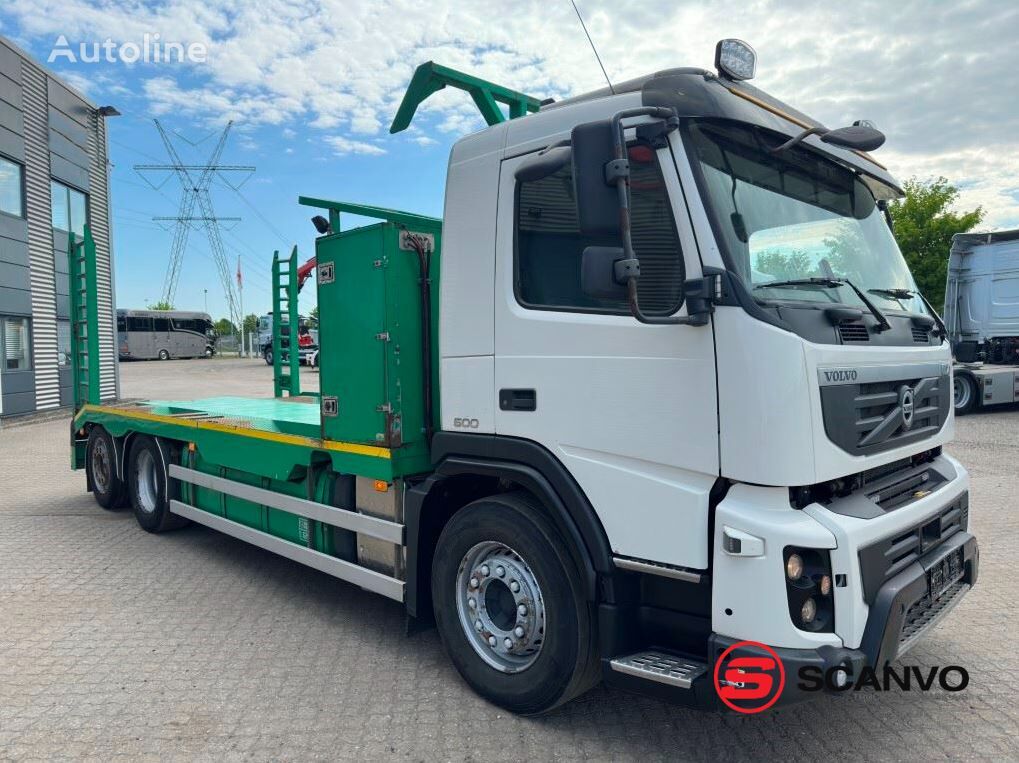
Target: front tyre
[
  {"x": 510, "y": 606},
  {"x": 107, "y": 488},
  {"x": 147, "y": 487},
  {"x": 964, "y": 393}
]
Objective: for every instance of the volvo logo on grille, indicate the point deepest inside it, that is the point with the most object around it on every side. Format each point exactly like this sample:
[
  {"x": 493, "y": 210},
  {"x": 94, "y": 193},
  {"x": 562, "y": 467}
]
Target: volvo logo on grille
[{"x": 906, "y": 404}]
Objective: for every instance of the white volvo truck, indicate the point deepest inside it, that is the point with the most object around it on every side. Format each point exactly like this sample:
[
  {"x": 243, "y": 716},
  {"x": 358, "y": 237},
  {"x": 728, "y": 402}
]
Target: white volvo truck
[
  {"x": 685, "y": 397},
  {"x": 759, "y": 456}
]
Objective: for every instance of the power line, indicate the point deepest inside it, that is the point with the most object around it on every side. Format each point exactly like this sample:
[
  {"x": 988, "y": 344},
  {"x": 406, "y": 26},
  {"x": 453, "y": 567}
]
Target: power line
[{"x": 195, "y": 180}]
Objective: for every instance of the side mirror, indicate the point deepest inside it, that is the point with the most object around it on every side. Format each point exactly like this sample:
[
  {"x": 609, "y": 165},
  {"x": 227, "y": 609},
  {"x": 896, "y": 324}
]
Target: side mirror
[
  {"x": 544, "y": 163},
  {"x": 604, "y": 271},
  {"x": 856, "y": 137},
  {"x": 598, "y": 211}
]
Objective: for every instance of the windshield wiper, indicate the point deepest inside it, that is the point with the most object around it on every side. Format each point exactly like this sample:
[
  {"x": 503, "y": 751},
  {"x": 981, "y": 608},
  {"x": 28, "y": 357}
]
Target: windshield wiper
[
  {"x": 831, "y": 283},
  {"x": 900, "y": 293},
  {"x": 895, "y": 293}
]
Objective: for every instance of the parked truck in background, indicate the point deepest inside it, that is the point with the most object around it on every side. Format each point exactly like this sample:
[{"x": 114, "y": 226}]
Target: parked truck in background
[
  {"x": 658, "y": 384},
  {"x": 982, "y": 316},
  {"x": 306, "y": 327}
]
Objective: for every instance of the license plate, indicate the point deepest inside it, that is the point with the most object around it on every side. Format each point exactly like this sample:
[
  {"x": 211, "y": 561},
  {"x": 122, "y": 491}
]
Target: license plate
[{"x": 945, "y": 573}]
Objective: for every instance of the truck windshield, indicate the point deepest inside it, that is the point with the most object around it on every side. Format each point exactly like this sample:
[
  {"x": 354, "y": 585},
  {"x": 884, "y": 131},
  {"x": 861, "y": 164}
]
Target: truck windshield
[{"x": 794, "y": 216}]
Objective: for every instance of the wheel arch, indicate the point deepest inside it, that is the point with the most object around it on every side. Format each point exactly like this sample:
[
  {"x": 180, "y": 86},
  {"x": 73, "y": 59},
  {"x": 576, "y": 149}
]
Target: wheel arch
[{"x": 470, "y": 467}]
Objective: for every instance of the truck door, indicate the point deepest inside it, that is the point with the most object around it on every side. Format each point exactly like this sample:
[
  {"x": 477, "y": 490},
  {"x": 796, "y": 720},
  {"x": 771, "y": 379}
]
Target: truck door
[{"x": 629, "y": 409}]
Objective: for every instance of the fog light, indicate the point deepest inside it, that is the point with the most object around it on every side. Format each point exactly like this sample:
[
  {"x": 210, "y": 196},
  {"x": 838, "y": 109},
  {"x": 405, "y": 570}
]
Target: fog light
[
  {"x": 825, "y": 585},
  {"x": 794, "y": 567},
  {"x": 808, "y": 611}
]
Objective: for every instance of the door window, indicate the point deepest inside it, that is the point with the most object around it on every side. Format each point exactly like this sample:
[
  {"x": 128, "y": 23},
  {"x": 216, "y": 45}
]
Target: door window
[{"x": 549, "y": 246}]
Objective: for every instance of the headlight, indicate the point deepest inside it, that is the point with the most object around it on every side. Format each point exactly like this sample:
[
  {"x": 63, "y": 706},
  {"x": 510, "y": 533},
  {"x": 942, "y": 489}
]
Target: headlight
[
  {"x": 808, "y": 584},
  {"x": 794, "y": 567}
]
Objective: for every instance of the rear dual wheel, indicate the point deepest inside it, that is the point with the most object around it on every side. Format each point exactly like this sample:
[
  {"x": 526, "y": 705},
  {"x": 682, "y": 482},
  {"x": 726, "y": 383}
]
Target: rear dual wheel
[
  {"x": 107, "y": 488},
  {"x": 148, "y": 488},
  {"x": 510, "y": 606}
]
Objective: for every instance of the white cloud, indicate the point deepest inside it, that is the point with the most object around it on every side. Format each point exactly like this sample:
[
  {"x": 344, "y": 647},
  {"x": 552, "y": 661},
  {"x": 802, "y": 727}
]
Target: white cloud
[
  {"x": 939, "y": 78},
  {"x": 342, "y": 145}
]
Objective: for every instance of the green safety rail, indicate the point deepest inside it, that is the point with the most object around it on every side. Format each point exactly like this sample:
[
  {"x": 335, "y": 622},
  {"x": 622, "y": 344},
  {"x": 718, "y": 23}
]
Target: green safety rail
[
  {"x": 406, "y": 219},
  {"x": 430, "y": 77},
  {"x": 84, "y": 297},
  {"x": 284, "y": 297}
]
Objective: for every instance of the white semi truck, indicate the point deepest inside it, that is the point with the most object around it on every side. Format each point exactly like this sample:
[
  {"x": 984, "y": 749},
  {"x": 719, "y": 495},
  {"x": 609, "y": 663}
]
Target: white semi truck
[
  {"x": 684, "y": 396},
  {"x": 982, "y": 315}
]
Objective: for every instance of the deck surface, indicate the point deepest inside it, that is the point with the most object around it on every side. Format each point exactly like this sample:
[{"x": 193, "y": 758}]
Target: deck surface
[{"x": 298, "y": 416}]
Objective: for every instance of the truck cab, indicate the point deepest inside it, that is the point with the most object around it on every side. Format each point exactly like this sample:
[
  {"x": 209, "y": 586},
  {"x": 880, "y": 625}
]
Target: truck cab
[{"x": 772, "y": 472}]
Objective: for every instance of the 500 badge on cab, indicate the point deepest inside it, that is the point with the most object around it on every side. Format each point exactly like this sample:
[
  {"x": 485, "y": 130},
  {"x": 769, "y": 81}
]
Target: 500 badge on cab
[{"x": 465, "y": 423}]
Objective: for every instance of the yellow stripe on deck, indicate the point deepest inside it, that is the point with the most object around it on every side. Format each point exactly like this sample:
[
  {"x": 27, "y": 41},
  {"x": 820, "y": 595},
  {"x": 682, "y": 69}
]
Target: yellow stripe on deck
[{"x": 342, "y": 447}]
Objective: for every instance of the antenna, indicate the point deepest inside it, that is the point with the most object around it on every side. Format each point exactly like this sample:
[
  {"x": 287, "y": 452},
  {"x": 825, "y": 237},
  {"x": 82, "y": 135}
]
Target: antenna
[{"x": 584, "y": 27}]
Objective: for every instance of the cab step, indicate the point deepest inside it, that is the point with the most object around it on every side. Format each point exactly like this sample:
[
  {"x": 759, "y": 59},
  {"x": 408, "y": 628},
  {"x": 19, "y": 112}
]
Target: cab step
[{"x": 661, "y": 667}]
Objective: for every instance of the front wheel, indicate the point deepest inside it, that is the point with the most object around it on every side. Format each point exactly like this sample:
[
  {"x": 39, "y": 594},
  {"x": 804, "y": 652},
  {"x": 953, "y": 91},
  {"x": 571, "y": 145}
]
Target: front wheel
[
  {"x": 164, "y": 354},
  {"x": 510, "y": 606},
  {"x": 964, "y": 393},
  {"x": 268, "y": 357}
]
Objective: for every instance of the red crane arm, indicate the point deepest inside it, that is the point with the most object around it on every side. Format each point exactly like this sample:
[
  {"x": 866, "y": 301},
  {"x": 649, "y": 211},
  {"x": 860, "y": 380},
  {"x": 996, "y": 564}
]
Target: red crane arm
[{"x": 304, "y": 272}]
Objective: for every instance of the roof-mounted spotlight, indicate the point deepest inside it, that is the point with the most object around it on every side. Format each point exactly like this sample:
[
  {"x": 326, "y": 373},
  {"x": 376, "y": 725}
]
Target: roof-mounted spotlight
[
  {"x": 735, "y": 60},
  {"x": 321, "y": 225}
]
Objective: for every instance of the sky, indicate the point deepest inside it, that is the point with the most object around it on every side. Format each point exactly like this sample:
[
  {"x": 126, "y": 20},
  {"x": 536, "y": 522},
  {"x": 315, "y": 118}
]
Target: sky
[{"x": 312, "y": 85}]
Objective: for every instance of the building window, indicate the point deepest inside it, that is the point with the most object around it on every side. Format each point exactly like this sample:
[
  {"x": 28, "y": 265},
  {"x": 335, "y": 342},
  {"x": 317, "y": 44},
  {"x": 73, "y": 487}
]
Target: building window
[
  {"x": 63, "y": 342},
  {"x": 14, "y": 345},
  {"x": 550, "y": 247},
  {"x": 11, "y": 184},
  {"x": 70, "y": 208}
]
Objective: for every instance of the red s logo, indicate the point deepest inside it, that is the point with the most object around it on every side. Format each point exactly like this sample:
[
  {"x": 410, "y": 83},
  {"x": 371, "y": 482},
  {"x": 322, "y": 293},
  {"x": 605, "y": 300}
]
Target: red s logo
[{"x": 749, "y": 683}]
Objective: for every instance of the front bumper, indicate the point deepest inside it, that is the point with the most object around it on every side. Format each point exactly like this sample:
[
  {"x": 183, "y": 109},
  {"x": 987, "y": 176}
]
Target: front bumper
[{"x": 904, "y": 611}]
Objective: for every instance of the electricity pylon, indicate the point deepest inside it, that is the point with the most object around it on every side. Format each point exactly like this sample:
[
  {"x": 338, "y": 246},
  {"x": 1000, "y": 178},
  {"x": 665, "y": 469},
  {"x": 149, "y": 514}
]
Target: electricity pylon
[{"x": 195, "y": 180}]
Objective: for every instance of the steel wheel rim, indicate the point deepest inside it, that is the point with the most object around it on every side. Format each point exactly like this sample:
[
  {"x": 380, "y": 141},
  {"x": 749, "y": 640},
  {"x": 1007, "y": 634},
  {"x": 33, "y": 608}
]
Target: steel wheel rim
[
  {"x": 148, "y": 491},
  {"x": 500, "y": 607},
  {"x": 101, "y": 465},
  {"x": 961, "y": 392}
]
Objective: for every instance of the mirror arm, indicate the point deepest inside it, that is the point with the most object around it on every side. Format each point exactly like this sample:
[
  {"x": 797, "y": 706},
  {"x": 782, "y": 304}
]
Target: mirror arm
[
  {"x": 818, "y": 130},
  {"x": 617, "y": 172}
]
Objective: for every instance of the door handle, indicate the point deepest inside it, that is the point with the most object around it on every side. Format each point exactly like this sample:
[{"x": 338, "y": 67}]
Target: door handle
[{"x": 518, "y": 400}]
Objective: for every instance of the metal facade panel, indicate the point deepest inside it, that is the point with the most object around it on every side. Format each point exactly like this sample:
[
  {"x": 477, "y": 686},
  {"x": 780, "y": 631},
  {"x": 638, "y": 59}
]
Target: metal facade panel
[{"x": 40, "y": 249}]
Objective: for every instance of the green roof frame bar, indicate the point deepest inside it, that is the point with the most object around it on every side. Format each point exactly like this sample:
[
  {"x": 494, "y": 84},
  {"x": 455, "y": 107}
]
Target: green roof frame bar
[
  {"x": 430, "y": 77},
  {"x": 406, "y": 219}
]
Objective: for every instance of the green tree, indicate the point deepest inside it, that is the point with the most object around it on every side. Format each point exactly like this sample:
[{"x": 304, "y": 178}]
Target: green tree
[
  {"x": 783, "y": 265},
  {"x": 314, "y": 314},
  {"x": 250, "y": 323},
  {"x": 224, "y": 327},
  {"x": 924, "y": 226},
  {"x": 162, "y": 305}
]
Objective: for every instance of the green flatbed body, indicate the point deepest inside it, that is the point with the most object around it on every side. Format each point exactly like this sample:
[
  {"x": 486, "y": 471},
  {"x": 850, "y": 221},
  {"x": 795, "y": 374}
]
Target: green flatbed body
[{"x": 308, "y": 470}]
